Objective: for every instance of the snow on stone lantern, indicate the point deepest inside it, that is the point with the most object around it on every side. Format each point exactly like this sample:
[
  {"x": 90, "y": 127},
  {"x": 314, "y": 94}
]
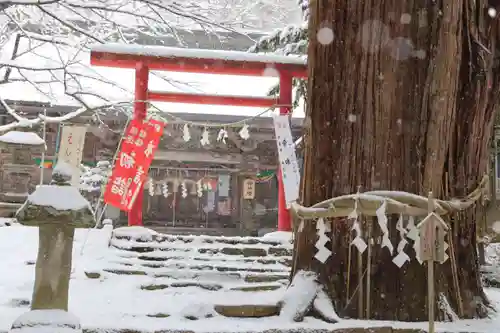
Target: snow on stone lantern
[{"x": 57, "y": 209}]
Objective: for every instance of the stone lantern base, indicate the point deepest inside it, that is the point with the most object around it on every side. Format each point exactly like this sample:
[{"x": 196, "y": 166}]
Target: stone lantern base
[{"x": 46, "y": 321}]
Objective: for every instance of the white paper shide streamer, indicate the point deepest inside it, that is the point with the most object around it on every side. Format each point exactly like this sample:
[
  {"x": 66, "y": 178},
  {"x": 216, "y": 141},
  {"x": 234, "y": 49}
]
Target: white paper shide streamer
[
  {"x": 382, "y": 223},
  {"x": 164, "y": 190},
  {"x": 244, "y": 133},
  {"x": 323, "y": 253},
  {"x": 446, "y": 246},
  {"x": 358, "y": 240},
  {"x": 205, "y": 140},
  {"x": 222, "y": 136},
  {"x": 414, "y": 235},
  {"x": 151, "y": 187},
  {"x": 184, "y": 192},
  {"x": 199, "y": 188},
  {"x": 401, "y": 258},
  {"x": 186, "y": 136}
]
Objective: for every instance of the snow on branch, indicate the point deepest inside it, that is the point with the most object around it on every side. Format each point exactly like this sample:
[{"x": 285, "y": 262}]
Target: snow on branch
[
  {"x": 21, "y": 121},
  {"x": 44, "y": 43},
  {"x": 396, "y": 202}
]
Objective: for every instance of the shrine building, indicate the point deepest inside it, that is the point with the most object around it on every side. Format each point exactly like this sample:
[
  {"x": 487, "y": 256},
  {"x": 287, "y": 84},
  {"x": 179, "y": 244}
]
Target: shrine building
[{"x": 239, "y": 184}]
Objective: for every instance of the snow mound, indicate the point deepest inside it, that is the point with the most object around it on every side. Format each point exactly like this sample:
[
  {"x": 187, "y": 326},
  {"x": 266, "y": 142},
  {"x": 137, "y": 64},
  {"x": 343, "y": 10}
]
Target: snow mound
[
  {"x": 58, "y": 197},
  {"x": 103, "y": 164},
  {"x": 64, "y": 169},
  {"x": 46, "y": 321},
  {"x": 299, "y": 295},
  {"x": 135, "y": 233},
  {"x": 22, "y": 138},
  {"x": 279, "y": 236}
]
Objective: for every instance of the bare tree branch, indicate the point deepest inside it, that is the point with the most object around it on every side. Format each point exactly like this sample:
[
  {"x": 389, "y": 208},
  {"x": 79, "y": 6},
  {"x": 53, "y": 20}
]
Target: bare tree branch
[{"x": 47, "y": 41}]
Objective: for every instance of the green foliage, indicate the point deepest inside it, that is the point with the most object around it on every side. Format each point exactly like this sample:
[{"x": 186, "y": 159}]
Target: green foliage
[{"x": 291, "y": 40}]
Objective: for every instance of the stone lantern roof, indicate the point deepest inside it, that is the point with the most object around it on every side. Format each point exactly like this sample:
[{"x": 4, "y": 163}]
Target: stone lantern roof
[
  {"x": 22, "y": 138},
  {"x": 57, "y": 203}
]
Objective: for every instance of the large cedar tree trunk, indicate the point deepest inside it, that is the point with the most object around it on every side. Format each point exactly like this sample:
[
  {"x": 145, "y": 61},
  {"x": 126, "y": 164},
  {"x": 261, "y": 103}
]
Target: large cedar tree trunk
[{"x": 402, "y": 99}]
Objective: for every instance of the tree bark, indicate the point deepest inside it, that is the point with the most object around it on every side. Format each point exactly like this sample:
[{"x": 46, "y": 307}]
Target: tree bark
[{"x": 402, "y": 99}]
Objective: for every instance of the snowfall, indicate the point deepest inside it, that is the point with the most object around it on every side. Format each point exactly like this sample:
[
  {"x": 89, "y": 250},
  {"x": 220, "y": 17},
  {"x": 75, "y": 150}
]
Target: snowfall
[{"x": 114, "y": 302}]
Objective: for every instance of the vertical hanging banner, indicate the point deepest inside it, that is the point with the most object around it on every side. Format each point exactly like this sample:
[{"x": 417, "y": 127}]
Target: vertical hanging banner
[
  {"x": 71, "y": 149},
  {"x": 224, "y": 185},
  {"x": 248, "y": 189},
  {"x": 287, "y": 158},
  {"x": 132, "y": 163}
]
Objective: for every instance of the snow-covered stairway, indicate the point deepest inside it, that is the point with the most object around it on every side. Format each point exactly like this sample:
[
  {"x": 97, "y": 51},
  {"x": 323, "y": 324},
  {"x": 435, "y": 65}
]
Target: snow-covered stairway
[{"x": 217, "y": 268}]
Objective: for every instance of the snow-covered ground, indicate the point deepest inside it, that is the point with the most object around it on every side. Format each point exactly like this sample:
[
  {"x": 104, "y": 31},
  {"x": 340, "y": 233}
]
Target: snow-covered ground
[{"x": 114, "y": 302}]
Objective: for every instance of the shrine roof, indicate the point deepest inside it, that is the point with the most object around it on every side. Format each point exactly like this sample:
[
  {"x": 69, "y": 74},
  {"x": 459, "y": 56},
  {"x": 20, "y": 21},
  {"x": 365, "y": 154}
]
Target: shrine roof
[{"x": 30, "y": 107}]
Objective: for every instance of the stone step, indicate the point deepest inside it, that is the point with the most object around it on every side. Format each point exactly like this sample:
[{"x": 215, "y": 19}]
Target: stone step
[
  {"x": 145, "y": 235},
  {"x": 236, "y": 251},
  {"x": 212, "y": 286},
  {"x": 200, "y": 276},
  {"x": 159, "y": 258},
  {"x": 247, "y": 311},
  {"x": 187, "y": 231},
  {"x": 155, "y": 267},
  {"x": 185, "y": 284}
]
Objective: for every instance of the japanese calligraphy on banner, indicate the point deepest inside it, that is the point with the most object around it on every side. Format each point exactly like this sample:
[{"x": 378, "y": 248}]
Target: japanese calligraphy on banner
[
  {"x": 288, "y": 159},
  {"x": 132, "y": 163},
  {"x": 71, "y": 149}
]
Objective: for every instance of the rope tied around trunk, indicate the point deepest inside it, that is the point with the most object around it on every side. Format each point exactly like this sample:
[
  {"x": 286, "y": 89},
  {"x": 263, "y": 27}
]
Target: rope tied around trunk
[{"x": 397, "y": 202}]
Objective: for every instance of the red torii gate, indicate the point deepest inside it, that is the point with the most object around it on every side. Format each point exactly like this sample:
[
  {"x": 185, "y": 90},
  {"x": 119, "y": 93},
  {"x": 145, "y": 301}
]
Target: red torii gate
[{"x": 146, "y": 58}]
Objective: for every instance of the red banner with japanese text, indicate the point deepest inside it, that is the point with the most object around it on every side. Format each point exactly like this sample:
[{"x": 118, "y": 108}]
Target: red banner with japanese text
[{"x": 132, "y": 163}]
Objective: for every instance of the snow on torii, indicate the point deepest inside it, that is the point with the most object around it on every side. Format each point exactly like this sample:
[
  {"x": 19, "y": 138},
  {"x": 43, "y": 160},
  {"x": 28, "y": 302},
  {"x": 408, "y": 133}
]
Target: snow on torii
[{"x": 146, "y": 58}]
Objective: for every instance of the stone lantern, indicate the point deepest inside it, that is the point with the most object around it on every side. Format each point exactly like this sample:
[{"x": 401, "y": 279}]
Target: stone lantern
[
  {"x": 56, "y": 209},
  {"x": 17, "y": 166}
]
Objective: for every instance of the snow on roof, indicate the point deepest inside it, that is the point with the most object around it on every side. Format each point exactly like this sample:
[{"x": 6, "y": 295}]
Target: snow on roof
[
  {"x": 175, "y": 52},
  {"x": 58, "y": 197},
  {"x": 22, "y": 138},
  {"x": 98, "y": 86}
]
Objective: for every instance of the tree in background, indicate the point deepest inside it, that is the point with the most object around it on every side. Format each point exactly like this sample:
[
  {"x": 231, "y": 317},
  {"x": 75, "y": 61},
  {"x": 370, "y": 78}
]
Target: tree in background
[
  {"x": 93, "y": 181},
  {"x": 290, "y": 40},
  {"x": 401, "y": 96}
]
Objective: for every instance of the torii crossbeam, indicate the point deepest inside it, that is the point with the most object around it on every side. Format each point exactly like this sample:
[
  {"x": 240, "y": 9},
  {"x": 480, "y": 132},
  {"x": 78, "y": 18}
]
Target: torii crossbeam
[{"x": 146, "y": 58}]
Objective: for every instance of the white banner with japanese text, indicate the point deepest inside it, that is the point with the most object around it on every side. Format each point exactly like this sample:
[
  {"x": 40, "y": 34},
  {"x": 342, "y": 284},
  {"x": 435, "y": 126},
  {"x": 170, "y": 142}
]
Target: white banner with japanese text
[
  {"x": 71, "y": 149},
  {"x": 288, "y": 159}
]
